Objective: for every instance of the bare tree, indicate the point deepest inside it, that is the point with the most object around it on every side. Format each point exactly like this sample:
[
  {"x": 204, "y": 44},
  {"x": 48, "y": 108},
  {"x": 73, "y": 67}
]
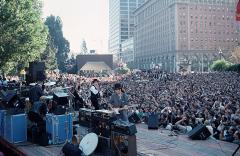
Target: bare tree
[{"x": 235, "y": 55}]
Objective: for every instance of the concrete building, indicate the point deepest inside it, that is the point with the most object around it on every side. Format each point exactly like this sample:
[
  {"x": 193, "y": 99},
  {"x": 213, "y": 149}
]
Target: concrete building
[
  {"x": 177, "y": 33},
  {"x": 121, "y": 23},
  {"x": 128, "y": 52}
]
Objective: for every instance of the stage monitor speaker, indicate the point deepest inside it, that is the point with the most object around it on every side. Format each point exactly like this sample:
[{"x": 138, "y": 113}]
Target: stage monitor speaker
[
  {"x": 36, "y": 71},
  {"x": 153, "y": 121},
  {"x": 199, "y": 133},
  {"x": 9, "y": 99},
  {"x": 134, "y": 118},
  {"x": 124, "y": 145},
  {"x": 60, "y": 98}
]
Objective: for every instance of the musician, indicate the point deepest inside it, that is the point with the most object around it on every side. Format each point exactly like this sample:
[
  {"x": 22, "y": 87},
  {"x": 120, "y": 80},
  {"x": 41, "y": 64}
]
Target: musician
[
  {"x": 79, "y": 103},
  {"x": 119, "y": 99},
  {"x": 35, "y": 93},
  {"x": 72, "y": 149},
  {"x": 95, "y": 94}
]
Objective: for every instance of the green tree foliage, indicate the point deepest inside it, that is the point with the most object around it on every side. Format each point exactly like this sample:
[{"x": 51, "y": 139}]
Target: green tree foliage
[
  {"x": 23, "y": 35},
  {"x": 49, "y": 55},
  {"x": 122, "y": 70},
  {"x": 220, "y": 65},
  {"x": 72, "y": 65},
  {"x": 235, "y": 67},
  {"x": 62, "y": 45}
]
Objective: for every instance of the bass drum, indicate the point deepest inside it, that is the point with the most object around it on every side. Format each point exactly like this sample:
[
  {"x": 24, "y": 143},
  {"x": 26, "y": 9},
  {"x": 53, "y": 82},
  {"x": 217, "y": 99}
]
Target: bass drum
[{"x": 89, "y": 144}]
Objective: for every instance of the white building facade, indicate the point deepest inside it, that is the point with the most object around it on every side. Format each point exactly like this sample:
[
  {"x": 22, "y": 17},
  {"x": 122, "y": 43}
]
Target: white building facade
[
  {"x": 128, "y": 52},
  {"x": 121, "y": 23}
]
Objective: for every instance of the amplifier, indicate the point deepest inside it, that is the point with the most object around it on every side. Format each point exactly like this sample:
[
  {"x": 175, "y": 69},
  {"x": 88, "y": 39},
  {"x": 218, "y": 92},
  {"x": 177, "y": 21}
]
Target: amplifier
[
  {"x": 125, "y": 145},
  {"x": 124, "y": 127},
  {"x": 85, "y": 117},
  {"x": 61, "y": 98}
]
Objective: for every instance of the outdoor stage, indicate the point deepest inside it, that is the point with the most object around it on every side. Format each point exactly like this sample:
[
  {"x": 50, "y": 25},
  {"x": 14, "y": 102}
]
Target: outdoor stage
[{"x": 155, "y": 143}]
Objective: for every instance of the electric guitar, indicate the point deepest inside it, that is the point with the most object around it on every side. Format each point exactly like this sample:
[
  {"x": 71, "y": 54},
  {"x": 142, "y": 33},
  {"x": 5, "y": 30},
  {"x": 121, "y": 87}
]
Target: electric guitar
[{"x": 116, "y": 110}]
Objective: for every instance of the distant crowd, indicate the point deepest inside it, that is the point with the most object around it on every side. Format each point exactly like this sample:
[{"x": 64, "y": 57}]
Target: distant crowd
[{"x": 181, "y": 101}]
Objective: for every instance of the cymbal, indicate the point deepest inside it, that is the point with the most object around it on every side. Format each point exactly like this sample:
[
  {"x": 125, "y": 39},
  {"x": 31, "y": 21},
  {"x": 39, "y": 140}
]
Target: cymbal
[
  {"x": 50, "y": 83},
  {"x": 32, "y": 84},
  {"x": 48, "y": 97}
]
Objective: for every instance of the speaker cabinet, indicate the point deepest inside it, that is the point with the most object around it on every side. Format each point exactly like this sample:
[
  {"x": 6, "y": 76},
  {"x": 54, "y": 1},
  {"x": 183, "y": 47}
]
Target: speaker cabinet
[
  {"x": 199, "y": 133},
  {"x": 153, "y": 121},
  {"x": 36, "y": 72},
  {"x": 124, "y": 145},
  {"x": 61, "y": 98}
]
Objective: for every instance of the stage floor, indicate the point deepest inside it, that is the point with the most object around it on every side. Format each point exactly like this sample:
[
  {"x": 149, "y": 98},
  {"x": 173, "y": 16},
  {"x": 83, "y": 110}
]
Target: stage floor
[{"x": 154, "y": 143}]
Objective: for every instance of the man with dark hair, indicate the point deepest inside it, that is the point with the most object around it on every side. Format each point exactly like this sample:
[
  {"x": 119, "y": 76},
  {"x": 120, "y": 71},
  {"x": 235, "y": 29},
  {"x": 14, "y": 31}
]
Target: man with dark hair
[
  {"x": 119, "y": 100},
  {"x": 95, "y": 94},
  {"x": 35, "y": 93}
]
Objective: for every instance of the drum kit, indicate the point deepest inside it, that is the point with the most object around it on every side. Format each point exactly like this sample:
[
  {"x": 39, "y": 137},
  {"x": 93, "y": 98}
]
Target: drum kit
[{"x": 89, "y": 144}]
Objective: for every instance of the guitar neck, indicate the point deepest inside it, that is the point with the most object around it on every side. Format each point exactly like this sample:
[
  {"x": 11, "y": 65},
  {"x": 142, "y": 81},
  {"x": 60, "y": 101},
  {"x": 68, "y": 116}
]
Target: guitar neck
[{"x": 127, "y": 107}]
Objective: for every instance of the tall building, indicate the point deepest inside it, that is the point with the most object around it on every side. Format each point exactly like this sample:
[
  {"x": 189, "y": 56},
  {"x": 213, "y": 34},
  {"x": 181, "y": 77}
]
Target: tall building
[
  {"x": 127, "y": 52},
  {"x": 121, "y": 23},
  {"x": 178, "y": 33}
]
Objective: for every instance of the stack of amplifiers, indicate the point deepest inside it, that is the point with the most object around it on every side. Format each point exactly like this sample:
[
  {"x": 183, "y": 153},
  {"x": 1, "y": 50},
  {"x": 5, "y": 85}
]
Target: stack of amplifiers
[
  {"x": 59, "y": 128},
  {"x": 15, "y": 128},
  {"x": 85, "y": 117},
  {"x": 102, "y": 121}
]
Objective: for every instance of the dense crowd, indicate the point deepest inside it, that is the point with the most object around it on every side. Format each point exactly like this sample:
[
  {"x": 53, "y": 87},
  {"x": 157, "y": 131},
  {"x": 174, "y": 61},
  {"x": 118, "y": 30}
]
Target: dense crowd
[{"x": 181, "y": 101}]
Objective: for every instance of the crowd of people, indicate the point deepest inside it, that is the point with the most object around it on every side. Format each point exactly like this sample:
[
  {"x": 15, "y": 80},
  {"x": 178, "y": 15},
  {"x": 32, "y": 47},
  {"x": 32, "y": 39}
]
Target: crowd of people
[{"x": 181, "y": 101}]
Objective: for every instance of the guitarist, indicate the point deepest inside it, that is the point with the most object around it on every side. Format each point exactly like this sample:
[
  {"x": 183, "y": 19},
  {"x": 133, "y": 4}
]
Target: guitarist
[{"x": 119, "y": 99}]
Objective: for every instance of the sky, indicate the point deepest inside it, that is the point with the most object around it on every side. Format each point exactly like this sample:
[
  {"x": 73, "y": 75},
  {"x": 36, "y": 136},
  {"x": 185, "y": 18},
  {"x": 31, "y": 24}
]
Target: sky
[{"x": 82, "y": 19}]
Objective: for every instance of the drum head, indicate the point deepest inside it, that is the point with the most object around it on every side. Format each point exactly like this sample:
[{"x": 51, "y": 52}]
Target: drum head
[{"x": 89, "y": 143}]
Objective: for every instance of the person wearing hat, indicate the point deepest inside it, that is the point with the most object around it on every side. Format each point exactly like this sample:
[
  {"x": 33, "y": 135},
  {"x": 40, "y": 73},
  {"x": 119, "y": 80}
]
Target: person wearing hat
[
  {"x": 119, "y": 101},
  {"x": 95, "y": 94}
]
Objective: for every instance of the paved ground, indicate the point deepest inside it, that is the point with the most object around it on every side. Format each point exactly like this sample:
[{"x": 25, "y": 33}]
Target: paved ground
[{"x": 155, "y": 143}]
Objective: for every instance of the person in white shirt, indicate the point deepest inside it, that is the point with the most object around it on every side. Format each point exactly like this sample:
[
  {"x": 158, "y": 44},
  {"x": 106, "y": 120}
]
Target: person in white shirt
[{"x": 95, "y": 94}]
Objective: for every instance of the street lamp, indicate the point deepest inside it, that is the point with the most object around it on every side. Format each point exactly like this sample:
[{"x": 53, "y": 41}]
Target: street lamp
[{"x": 220, "y": 53}]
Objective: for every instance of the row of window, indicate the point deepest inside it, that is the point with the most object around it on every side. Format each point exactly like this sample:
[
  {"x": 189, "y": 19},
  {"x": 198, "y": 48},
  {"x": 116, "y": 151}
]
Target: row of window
[
  {"x": 211, "y": 39},
  {"x": 211, "y": 17}
]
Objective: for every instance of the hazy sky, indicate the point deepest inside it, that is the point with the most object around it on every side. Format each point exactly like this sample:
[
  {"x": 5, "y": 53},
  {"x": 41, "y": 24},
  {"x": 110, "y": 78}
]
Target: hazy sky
[{"x": 86, "y": 19}]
